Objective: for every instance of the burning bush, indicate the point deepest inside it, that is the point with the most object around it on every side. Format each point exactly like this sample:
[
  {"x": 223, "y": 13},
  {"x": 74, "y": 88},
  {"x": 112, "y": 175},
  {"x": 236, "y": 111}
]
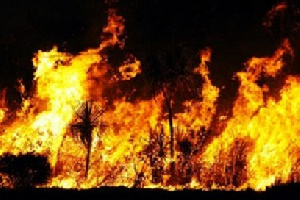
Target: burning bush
[{"x": 26, "y": 170}]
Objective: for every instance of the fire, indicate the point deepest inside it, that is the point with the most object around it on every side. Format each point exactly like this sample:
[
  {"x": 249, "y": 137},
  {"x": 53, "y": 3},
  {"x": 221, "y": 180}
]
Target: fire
[
  {"x": 274, "y": 12},
  {"x": 2, "y": 105},
  {"x": 130, "y": 143},
  {"x": 115, "y": 28},
  {"x": 270, "y": 125},
  {"x": 2, "y": 115},
  {"x": 199, "y": 114},
  {"x": 130, "y": 68}
]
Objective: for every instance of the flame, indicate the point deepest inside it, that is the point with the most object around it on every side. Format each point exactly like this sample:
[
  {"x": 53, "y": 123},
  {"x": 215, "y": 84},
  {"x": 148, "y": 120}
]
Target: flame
[
  {"x": 2, "y": 105},
  {"x": 130, "y": 68},
  {"x": 61, "y": 82},
  {"x": 200, "y": 113},
  {"x": 130, "y": 145},
  {"x": 114, "y": 29},
  {"x": 270, "y": 125},
  {"x": 274, "y": 12}
]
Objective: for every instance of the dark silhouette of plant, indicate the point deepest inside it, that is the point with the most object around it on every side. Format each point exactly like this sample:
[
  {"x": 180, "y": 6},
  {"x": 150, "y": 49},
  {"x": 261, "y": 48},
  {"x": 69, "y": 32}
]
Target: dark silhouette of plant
[
  {"x": 171, "y": 72},
  {"x": 87, "y": 119},
  {"x": 156, "y": 154},
  {"x": 185, "y": 147},
  {"x": 27, "y": 170},
  {"x": 140, "y": 175}
]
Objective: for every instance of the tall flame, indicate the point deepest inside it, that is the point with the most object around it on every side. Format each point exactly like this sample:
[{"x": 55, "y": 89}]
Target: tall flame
[
  {"x": 270, "y": 125},
  {"x": 258, "y": 147},
  {"x": 200, "y": 113}
]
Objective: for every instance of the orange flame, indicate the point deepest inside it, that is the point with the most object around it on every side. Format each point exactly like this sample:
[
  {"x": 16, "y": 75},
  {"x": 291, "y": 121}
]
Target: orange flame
[
  {"x": 273, "y": 13},
  {"x": 130, "y": 68},
  {"x": 258, "y": 147},
  {"x": 199, "y": 114},
  {"x": 267, "y": 124}
]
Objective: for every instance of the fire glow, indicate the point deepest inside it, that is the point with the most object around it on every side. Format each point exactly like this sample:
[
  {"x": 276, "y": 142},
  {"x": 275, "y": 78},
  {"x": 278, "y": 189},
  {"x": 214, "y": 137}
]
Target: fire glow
[{"x": 257, "y": 147}]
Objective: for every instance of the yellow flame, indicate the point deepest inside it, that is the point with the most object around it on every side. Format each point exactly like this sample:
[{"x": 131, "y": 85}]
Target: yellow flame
[
  {"x": 270, "y": 125},
  {"x": 258, "y": 147},
  {"x": 130, "y": 68}
]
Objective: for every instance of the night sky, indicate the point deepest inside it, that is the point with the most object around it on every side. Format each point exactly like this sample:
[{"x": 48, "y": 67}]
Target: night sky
[{"x": 231, "y": 28}]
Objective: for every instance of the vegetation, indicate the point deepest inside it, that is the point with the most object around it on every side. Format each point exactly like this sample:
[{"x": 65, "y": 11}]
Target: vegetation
[
  {"x": 87, "y": 120},
  {"x": 28, "y": 170}
]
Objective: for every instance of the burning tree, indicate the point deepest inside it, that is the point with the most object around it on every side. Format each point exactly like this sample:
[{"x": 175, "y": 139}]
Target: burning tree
[
  {"x": 171, "y": 72},
  {"x": 156, "y": 154},
  {"x": 87, "y": 119},
  {"x": 258, "y": 145}
]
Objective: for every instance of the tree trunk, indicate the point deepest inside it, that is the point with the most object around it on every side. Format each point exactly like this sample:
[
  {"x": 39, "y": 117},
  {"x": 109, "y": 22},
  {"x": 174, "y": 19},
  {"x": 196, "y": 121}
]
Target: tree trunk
[
  {"x": 173, "y": 178},
  {"x": 171, "y": 128},
  {"x": 89, "y": 145}
]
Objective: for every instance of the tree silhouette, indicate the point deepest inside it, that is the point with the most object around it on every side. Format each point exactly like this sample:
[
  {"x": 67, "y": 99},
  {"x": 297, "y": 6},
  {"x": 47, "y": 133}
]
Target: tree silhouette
[
  {"x": 87, "y": 119},
  {"x": 170, "y": 71}
]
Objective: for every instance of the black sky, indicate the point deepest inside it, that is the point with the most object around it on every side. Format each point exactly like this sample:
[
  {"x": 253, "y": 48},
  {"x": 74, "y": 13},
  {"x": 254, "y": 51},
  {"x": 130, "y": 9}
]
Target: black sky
[{"x": 232, "y": 28}]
